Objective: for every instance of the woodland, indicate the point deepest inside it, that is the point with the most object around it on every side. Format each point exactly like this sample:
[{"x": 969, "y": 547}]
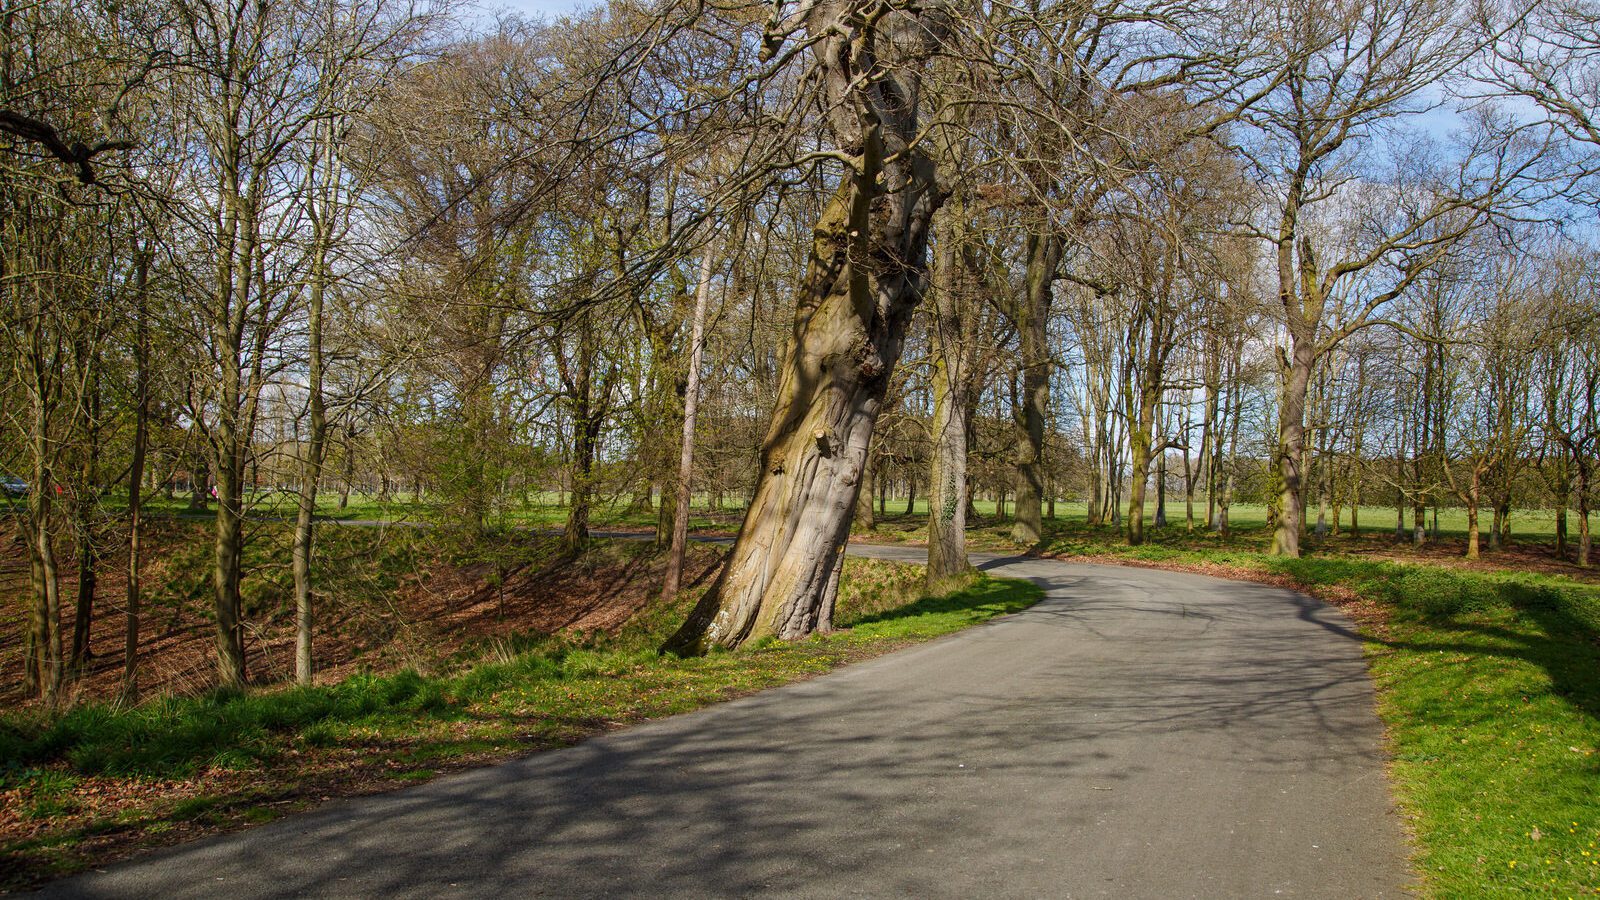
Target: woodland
[{"x": 771, "y": 268}]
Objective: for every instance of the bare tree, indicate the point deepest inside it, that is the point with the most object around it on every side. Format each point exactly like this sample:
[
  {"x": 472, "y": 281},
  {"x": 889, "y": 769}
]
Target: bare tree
[{"x": 1346, "y": 71}]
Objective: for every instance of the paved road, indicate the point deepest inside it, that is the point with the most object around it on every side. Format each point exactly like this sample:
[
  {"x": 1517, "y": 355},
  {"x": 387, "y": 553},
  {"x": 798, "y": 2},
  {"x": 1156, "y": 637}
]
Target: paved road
[{"x": 1136, "y": 734}]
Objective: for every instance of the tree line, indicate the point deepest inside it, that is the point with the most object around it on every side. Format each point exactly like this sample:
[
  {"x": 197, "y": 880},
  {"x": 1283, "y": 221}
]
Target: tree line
[{"x": 792, "y": 258}]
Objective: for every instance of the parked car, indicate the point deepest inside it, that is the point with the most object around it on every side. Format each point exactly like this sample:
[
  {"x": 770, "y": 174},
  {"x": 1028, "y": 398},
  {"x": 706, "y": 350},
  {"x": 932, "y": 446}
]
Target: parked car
[{"x": 12, "y": 486}]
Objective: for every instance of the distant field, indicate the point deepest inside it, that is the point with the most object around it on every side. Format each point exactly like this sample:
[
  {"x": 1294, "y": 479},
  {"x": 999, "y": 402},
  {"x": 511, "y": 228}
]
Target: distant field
[{"x": 546, "y": 509}]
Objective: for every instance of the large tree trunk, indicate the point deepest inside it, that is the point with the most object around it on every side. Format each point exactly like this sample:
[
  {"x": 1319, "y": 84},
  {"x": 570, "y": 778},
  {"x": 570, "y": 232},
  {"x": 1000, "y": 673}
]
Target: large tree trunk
[
  {"x": 230, "y": 441},
  {"x": 947, "y": 485},
  {"x": 585, "y": 437},
  {"x": 231, "y": 434},
  {"x": 863, "y": 282},
  {"x": 865, "y": 276},
  {"x": 1563, "y": 500},
  {"x": 200, "y": 483},
  {"x": 46, "y": 663},
  {"x": 1139, "y": 451},
  {"x": 1474, "y": 492},
  {"x": 1291, "y": 445},
  {"x": 1032, "y": 320}
]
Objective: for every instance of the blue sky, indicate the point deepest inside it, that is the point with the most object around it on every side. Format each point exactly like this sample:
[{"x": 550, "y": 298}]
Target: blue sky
[{"x": 535, "y": 7}]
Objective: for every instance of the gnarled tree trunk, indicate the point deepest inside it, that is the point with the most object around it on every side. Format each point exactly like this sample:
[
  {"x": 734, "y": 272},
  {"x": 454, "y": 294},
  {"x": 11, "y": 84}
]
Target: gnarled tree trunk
[
  {"x": 1292, "y": 443},
  {"x": 865, "y": 276}
]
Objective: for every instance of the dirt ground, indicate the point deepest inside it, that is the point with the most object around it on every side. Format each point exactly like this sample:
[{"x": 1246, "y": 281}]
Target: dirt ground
[
  {"x": 439, "y": 610},
  {"x": 1521, "y": 556}
]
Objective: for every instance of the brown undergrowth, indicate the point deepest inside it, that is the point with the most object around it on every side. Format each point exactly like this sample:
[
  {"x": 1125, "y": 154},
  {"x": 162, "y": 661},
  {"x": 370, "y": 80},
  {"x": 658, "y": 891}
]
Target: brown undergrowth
[{"x": 386, "y": 598}]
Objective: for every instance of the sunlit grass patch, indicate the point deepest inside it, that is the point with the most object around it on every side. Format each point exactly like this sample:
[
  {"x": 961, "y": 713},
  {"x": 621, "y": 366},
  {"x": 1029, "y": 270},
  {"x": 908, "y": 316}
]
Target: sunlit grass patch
[{"x": 1494, "y": 720}]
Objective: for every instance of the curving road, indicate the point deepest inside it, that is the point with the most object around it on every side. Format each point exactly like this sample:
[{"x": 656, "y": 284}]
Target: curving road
[{"x": 1138, "y": 733}]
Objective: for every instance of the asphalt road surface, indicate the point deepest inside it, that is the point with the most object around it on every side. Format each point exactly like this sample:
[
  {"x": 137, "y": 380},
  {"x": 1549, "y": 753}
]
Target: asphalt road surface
[{"x": 1136, "y": 734}]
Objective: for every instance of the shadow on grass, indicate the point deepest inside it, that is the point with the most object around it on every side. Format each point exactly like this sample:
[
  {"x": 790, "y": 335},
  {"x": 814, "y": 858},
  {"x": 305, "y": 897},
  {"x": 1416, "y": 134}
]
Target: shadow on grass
[
  {"x": 1549, "y": 625},
  {"x": 1550, "y": 639},
  {"x": 988, "y": 597}
]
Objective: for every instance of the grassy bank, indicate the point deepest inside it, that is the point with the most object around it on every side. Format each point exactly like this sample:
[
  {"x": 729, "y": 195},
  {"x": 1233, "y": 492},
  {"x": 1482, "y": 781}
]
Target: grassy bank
[{"x": 96, "y": 782}]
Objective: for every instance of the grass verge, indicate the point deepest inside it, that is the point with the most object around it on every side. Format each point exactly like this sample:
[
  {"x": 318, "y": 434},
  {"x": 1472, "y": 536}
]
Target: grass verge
[
  {"x": 1491, "y": 693},
  {"x": 94, "y": 783}
]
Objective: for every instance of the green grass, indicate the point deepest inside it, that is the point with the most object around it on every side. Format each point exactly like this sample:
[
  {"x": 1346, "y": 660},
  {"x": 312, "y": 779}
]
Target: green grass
[
  {"x": 1492, "y": 717},
  {"x": 1490, "y": 688},
  {"x": 244, "y": 755},
  {"x": 1248, "y": 522},
  {"x": 544, "y": 510},
  {"x": 537, "y": 510}
]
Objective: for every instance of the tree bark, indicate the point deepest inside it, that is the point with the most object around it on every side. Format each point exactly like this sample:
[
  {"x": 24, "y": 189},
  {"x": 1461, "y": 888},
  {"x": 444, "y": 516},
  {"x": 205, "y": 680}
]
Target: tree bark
[
  {"x": 864, "y": 518},
  {"x": 1585, "y": 540},
  {"x": 1561, "y": 522},
  {"x": 83, "y": 506},
  {"x": 1291, "y": 444},
  {"x": 672, "y": 583},
  {"x": 952, "y": 375},
  {"x": 311, "y": 472},
  {"x": 1473, "y": 493},
  {"x": 1140, "y": 439},
  {"x": 141, "y": 440},
  {"x": 45, "y": 619},
  {"x": 866, "y": 273},
  {"x": 1032, "y": 319},
  {"x": 226, "y": 572},
  {"x": 587, "y": 420}
]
